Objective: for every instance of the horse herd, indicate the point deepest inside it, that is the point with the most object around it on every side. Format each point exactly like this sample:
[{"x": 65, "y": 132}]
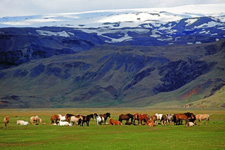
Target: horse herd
[{"x": 130, "y": 119}]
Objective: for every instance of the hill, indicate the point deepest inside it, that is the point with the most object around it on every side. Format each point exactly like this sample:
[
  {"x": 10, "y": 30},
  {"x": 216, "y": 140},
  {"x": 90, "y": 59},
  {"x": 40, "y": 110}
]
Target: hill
[
  {"x": 136, "y": 57},
  {"x": 116, "y": 76}
]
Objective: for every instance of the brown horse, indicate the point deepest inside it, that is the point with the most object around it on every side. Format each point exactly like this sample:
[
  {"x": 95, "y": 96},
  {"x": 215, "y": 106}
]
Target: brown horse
[
  {"x": 140, "y": 118},
  {"x": 126, "y": 117},
  {"x": 201, "y": 117},
  {"x": 55, "y": 119},
  {"x": 150, "y": 123},
  {"x": 116, "y": 122},
  {"x": 154, "y": 118},
  {"x": 178, "y": 119},
  {"x": 6, "y": 121}
]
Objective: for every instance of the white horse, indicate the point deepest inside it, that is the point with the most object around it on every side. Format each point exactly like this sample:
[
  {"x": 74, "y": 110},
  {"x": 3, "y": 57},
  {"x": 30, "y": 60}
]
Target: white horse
[
  {"x": 99, "y": 119},
  {"x": 190, "y": 124},
  {"x": 22, "y": 122},
  {"x": 169, "y": 117},
  {"x": 158, "y": 116},
  {"x": 64, "y": 123}
]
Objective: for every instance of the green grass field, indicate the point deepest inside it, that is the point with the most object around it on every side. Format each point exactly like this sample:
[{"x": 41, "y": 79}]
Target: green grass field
[{"x": 45, "y": 136}]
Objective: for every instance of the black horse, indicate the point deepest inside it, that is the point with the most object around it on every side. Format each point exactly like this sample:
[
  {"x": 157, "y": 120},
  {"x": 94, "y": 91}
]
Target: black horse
[
  {"x": 191, "y": 116},
  {"x": 87, "y": 119},
  {"x": 126, "y": 117}
]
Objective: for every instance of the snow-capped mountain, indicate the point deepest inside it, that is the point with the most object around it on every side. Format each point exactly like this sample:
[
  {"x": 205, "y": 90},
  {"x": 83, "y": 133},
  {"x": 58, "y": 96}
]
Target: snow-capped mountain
[
  {"x": 135, "y": 57},
  {"x": 162, "y": 26}
]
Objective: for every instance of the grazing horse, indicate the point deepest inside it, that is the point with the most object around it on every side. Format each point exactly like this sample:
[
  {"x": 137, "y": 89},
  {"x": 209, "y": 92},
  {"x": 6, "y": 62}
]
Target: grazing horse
[
  {"x": 116, "y": 122},
  {"x": 105, "y": 116},
  {"x": 98, "y": 119},
  {"x": 35, "y": 119},
  {"x": 55, "y": 119},
  {"x": 169, "y": 118},
  {"x": 22, "y": 122},
  {"x": 6, "y": 121},
  {"x": 140, "y": 118},
  {"x": 201, "y": 117},
  {"x": 87, "y": 119},
  {"x": 136, "y": 117},
  {"x": 62, "y": 118},
  {"x": 77, "y": 118},
  {"x": 159, "y": 116},
  {"x": 163, "y": 120},
  {"x": 191, "y": 116},
  {"x": 126, "y": 117},
  {"x": 178, "y": 119}
]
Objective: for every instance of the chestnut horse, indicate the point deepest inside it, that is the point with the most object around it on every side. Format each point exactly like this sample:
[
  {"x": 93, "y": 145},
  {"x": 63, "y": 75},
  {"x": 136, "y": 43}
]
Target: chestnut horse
[
  {"x": 55, "y": 119},
  {"x": 6, "y": 121},
  {"x": 178, "y": 119},
  {"x": 154, "y": 119},
  {"x": 201, "y": 117},
  {"x": 116, "y": 122},
  {"x": 140, "y": 118},
  {"x": 126, "y": 117},
  {"x": 150, "y": 123}
]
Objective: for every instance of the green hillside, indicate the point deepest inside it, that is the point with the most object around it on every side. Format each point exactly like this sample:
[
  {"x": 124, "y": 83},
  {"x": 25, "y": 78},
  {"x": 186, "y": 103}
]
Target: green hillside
[{"x": 109, "y": 76}]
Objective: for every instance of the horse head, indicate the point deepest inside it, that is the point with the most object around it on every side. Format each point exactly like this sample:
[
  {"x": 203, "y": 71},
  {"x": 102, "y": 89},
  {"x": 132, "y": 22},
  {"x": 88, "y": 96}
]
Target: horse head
[{"x": 107, "y": 115}]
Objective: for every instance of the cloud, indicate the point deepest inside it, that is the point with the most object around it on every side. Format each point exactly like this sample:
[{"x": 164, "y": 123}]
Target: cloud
[{"x": 32, "y": 7}]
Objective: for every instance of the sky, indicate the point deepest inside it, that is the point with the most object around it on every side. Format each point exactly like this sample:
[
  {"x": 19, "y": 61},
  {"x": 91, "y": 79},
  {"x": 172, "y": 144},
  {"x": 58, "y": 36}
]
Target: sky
[{"x": 39, "y": 7}]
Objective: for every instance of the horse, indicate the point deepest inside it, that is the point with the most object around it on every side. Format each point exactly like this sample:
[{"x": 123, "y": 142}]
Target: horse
[
  {"x": 105, "y": 116},
  {"x": 87, "y": 119},
  {"x": 55, "y": 119},
  {"x": 136, "y": 117},
  {"x": 140, "y": 118},
  {"x": 163, "y": 120},
  {"x": 178, "y": 119},
  {"x": 64, "y": 123},
  {"x": 150, "y": 123},
  {"x": 126, "y": 117},
  {"x": 158, "y": 116},
  {"x": 190, "y": 124},
  {"x": 22, "y": 122},
  {"x": 36, "y": 119},
  {"x": 201, "y": 117},
  {"x": 116, "y": 122},
  {"x": 99, "y": 119},
  {"x": 154, "y": 119},
  {"x": 77, "y": 118},
  {"x": 6, "y": 121},
  {"x": 191, "y": 116},
  {"x": 62, "y": 118},
  {"x": 169, "y": 118}
]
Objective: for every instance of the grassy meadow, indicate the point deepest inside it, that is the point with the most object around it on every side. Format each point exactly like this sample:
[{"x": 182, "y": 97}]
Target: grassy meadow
[{"x": 46, "y": 136}]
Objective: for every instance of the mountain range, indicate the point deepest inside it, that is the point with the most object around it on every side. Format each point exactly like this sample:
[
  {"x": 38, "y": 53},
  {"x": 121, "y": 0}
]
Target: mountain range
[{"x": 115, "y": 58}]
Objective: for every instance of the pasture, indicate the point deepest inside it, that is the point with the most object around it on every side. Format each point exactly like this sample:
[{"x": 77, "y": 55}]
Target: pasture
[{"x": 47, "y": 137}]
